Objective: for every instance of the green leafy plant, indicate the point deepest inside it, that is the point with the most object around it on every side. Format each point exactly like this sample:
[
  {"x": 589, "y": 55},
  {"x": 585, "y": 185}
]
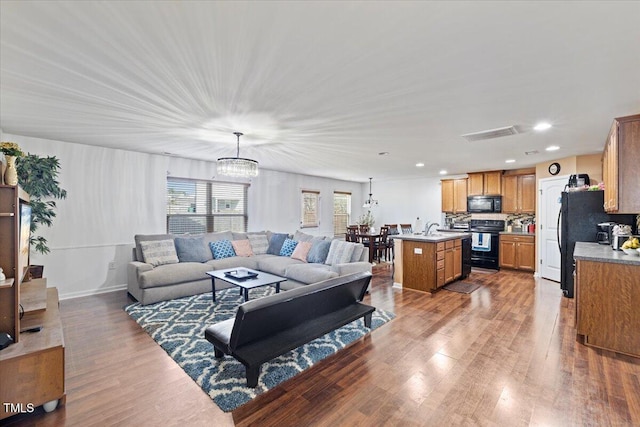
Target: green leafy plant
[
  {"x": 38, "y": 176},
  {"x": 366, "y": 219}
]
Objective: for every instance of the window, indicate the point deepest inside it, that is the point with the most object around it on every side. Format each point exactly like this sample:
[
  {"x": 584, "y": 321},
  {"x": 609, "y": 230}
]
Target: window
[
  {"x": 205, "y": 206},
  {"x": 310, "y": 215},
  {"x": 341, "y": 212}
]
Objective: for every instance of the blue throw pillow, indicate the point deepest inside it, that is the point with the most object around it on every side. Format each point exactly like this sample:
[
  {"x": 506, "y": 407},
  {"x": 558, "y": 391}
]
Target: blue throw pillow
[
  {"x": 192, "y": 249},
  {"x": 276, "y": 242},
  {"x": 288, "y": 247},
  {"x": 222, "y": 249},
  {"x": 319, "y": 251}
]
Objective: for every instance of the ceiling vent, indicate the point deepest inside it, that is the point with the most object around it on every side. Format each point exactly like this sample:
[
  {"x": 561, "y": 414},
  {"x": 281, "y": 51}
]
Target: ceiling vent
[{"x": 491, "y": 134}]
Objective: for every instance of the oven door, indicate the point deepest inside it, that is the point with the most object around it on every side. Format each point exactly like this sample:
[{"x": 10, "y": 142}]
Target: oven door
[{"x": 483, "y": 255}]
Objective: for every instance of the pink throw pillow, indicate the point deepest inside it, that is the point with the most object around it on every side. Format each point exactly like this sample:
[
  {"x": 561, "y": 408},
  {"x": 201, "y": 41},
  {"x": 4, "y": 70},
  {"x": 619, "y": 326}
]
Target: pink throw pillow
[
  {"x": 301, "y": 251},
  {"x": 242, "y": 247}
]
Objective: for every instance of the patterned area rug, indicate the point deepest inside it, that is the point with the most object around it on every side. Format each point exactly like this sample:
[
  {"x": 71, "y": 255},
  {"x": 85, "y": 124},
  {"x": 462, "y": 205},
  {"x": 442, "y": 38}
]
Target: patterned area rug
[{"x": 178, "y": 326}]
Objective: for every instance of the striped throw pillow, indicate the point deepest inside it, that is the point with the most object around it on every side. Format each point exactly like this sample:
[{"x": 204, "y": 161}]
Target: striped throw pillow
[{"x": 159, "y": 252}]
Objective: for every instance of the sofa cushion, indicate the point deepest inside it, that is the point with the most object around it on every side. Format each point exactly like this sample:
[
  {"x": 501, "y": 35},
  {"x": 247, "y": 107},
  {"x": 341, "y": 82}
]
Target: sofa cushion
[
  {"x": 288, "y": 247},
  {"x": 147, "y": 237},
  {"x": 219, "y": 235},
  {"x": 192, "y": 249},
  {"x": 222, "y": 249},
  {"x": 302, "y": 237},
  {"x": 277, "y": 264},
  {"x": 233, "y": 262},
  {"x": 259, "y": 243},
  {"x": 159, "y": 252},
  {"x": 319, "y": 251},
  {"x": 242, "y": 247},
  {"x": 276, "y": 242},
  {"x": 166, "y": 275},
  {"x": 309, "y": 273},
  {"x": 339, "y": 252},
  {"x": 301, "y": 251}
]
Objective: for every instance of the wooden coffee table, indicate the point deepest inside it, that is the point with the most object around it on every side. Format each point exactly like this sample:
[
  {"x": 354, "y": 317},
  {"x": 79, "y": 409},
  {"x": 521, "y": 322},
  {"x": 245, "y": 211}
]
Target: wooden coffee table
[{"x": 262, "y": 279}]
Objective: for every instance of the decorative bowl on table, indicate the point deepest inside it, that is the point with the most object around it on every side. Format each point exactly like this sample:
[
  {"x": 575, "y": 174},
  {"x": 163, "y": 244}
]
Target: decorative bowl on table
[{"x": 632, "y": 252}]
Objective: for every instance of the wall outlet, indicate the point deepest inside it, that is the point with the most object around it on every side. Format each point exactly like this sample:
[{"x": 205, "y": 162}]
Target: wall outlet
[{"x": 112, "y": 265}]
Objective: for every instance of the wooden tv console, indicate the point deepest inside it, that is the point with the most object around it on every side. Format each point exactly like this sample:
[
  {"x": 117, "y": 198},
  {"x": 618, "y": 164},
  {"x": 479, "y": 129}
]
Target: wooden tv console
[{"x": 32, "y": 370}]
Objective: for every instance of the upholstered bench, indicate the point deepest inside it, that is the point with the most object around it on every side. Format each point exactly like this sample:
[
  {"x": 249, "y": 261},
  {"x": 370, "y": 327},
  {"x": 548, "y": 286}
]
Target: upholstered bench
[{"x": 269, "y": 327}]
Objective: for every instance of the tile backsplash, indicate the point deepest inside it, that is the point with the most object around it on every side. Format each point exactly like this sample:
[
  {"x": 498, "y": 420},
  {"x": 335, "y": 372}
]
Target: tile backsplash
[{"x": 507, "y": 218}]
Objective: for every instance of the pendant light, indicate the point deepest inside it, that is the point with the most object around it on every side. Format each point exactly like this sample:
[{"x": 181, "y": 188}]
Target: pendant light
[
  {"x": 370, "y": 202},
  {"x": 237, "y": 166}
]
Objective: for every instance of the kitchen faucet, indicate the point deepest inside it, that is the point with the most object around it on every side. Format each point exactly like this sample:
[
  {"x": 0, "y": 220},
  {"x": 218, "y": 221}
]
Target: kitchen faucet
[{"x": 427, "y": 229}]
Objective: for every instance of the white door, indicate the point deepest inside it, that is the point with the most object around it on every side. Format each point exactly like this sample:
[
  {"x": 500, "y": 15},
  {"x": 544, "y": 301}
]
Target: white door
[{"x": 550, "y": 202}]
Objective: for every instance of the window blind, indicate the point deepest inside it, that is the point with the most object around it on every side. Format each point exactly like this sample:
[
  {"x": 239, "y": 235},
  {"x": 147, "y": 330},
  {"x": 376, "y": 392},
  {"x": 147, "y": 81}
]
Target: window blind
[
  {"x": 310, "y": 214},
  {"x": 341, "y": 212},
  {"x": 195, "y": 206}
]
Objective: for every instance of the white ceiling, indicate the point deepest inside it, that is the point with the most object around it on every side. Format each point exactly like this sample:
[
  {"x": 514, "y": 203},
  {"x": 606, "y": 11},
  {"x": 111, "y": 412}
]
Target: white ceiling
[{"x": 321, "y": 88}]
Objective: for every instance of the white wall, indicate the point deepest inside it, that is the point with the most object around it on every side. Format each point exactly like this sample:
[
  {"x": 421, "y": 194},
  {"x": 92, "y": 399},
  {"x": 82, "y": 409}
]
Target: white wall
[
  {"x": 402, "y": 201},
  {"x": 115, "y": 194}
]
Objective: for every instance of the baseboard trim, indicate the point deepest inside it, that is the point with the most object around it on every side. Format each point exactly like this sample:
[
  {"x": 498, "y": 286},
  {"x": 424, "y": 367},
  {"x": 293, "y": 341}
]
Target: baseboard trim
[{"x": 90, "y": 292}]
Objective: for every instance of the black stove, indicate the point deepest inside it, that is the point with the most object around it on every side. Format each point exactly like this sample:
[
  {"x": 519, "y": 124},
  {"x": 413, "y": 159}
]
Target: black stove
[{"x": 485, "y": 242}]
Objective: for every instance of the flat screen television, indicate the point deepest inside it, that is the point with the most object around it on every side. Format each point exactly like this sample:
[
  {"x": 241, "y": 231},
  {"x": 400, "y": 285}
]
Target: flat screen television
[{"x": 24, "y": 236}]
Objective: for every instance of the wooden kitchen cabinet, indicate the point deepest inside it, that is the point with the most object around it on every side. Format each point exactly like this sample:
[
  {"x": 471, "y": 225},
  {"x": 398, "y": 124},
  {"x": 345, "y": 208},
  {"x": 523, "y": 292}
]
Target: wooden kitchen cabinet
[
  {"x": 607, "y": 300},
  {"x": 519, "y": 193},
  {"x": 427, "y": 266},
  {"x": 485, "y": 183},
  {"x": 621, "y": 159},
  {"x": 518, "y": 252},
  {"x": 454, "y": 195}
]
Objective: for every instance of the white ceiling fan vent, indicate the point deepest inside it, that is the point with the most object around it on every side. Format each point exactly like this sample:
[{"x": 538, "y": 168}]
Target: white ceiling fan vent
[{"x": 491, "y": 134}]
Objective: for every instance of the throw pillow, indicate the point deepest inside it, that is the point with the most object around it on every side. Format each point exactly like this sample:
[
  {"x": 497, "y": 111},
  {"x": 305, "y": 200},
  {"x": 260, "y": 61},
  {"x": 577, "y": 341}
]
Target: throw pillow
[
  {"x": 339, "y": 252},
  {"x": 159, "y": 252},
  {"x": 242, "y": 247},
  {"x": 275, "y": 244},
  {"x": 319, "y": 251},
  {"x": 288, "y": 247},
  {"x": 190, "y": 249},
  {"x": 259, "y": 243},
  {"x": 301, "y": 251},
  {"x": 358, "y": 249},
  {"x": 222, "y": 249}
]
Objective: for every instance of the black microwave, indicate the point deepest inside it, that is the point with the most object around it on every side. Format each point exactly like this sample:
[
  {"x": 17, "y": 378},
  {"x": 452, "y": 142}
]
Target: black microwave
[{"x": 484, "y": 204}]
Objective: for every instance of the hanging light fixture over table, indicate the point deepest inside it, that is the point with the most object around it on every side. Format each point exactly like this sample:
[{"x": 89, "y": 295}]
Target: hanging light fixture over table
[
  {"x": 370, "y": 202},
  {"x": 237, "y": 166}
]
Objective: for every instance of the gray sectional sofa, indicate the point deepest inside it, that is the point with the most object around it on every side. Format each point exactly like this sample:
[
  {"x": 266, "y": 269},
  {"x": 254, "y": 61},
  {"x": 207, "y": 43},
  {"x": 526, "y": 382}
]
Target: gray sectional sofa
[{"x": 167, "y": 266}]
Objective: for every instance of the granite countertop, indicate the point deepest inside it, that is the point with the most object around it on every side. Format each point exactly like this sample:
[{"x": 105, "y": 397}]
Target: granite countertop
[
  {"x": 518, "y": 233},
  {"x": 432, "y": 238},
  {"x": 602, "y": 253}
]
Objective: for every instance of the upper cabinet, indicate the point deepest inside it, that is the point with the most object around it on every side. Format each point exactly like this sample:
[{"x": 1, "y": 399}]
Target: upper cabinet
[
  {"x": 482, "y": 183},
  {"x": 620, "y": 166},
  {"x": 519, "y": 193},
  {"x": 454, "y": 195}
]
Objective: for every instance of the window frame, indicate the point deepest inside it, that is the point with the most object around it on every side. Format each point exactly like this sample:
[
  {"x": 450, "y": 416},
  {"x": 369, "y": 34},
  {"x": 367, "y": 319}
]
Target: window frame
[
  {"x": 314, "y": 195},
  {"x": 212, "y": 215},
  {"x": 336, "y": 231}
]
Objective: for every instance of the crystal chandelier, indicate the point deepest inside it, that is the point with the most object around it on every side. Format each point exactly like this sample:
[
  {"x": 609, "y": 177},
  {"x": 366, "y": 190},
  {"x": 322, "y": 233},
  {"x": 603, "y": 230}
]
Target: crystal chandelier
[
  {"x": 237, "y": 166},
  {"x": 370, "y": 202}
]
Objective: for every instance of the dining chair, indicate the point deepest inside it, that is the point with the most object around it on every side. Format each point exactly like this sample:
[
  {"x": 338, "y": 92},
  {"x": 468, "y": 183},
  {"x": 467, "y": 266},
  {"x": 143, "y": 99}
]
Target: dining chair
[
  {"x": 364, "y": 228},
  {"x": 353, "y": 234},
  {"x": 383, "y": 243},
  {"x": 406, "y": 228},
  {"x": 393, "y": 231}
]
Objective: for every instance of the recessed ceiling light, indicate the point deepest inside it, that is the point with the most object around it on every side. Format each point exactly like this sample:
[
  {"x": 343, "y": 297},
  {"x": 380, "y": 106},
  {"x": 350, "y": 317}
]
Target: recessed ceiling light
[
  {"x": 510, "y": 161},
  {"x": 552, "y": 148},
  {"x": 443, "y": 172},
  {"x": 383, "y": 153},
  {"x": 529, "y": 153},
  {"x": 419, "y": 165},
  {"x": 542, "y": 126}
]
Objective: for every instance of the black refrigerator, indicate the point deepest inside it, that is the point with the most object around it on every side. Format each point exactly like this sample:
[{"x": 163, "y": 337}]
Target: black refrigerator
[{"x": 580, "y": 213}]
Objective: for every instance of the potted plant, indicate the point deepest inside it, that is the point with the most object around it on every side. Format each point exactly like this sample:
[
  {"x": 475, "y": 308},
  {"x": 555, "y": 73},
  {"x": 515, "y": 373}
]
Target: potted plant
[
  {"x": 366, "y": 219},
  {"x": 38, "y": 176}
]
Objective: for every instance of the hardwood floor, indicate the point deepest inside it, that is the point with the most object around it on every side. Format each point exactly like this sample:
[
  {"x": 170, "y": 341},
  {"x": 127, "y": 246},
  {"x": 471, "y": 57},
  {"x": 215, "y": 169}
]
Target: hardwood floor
[{"x": 505, "y": 355}]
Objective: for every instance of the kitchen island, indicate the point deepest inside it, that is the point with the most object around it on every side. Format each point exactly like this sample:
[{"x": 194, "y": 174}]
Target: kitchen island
[
  {"x": 426, "y": 263},
  {"x": 607, "y": 292}
]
